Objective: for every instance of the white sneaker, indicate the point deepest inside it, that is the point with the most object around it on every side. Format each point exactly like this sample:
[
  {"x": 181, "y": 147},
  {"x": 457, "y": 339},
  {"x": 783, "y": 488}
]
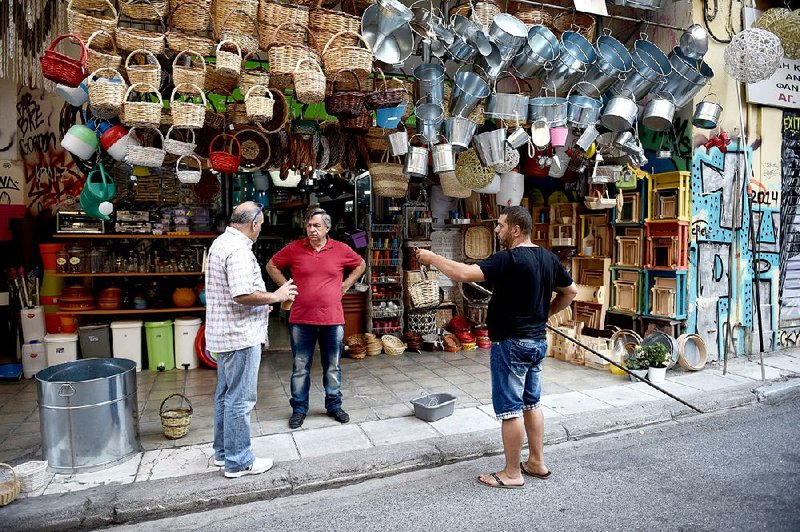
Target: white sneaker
[
  {"x": 259, "y": 465},
  {"x": 219, "y": 463}
]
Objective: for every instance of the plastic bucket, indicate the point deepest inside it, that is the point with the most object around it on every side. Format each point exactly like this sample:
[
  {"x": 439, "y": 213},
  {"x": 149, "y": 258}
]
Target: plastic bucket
[{"x": 160, "y": 348}]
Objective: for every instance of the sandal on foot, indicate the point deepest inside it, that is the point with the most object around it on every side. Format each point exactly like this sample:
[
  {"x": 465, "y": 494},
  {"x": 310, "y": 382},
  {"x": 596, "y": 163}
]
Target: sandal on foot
[
  {"x": 532, "y": 474},
  {"x": 500, "y": 483}
]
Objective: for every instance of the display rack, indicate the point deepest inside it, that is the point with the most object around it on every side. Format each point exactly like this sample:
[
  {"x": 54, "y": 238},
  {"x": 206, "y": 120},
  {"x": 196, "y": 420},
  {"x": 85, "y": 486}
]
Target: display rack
[{"x": 385, "y": 272}]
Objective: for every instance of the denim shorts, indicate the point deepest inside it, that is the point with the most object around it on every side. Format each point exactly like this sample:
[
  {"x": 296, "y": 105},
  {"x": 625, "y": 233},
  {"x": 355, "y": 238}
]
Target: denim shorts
[{"x": 516, "y": 367}]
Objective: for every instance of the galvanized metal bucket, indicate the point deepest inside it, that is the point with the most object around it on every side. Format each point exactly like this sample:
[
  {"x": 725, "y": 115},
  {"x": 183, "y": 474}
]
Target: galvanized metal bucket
[
  {"x": 416, "y": 163},
  {"x": 430, "y": 83},
  {"x": 707, "y": 113},
  {"x": 537, "y": 54},
  {"x": 442, "y": 157},
  {"x": 612, "y": 64},
  {"x": 398, "y": 143},
  {"x": 459, "y": 130},
  {"x": 429, "y": 120},
  {"x": 490, "y": 146},
  {"x": 469, "y": 90}
]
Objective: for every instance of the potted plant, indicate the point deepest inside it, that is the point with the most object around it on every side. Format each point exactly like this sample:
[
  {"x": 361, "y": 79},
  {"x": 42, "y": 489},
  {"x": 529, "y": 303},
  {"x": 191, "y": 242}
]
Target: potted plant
[
  {"x": 637, "y": 363},
  {"x": 658, "y": 357}
]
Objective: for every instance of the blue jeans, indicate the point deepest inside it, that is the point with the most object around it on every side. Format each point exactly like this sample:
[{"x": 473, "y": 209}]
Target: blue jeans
[
  {"x": 235, "y": 397},
  {"x": 516, "y": 367},
  {"x": 303, "y": 339}
]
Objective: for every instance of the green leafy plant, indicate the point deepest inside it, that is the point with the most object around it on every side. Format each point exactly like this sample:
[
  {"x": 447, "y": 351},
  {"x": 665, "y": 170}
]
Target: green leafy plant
[
  {"x": 637, "y": 359},
  {"x": 657, "y": 354}
]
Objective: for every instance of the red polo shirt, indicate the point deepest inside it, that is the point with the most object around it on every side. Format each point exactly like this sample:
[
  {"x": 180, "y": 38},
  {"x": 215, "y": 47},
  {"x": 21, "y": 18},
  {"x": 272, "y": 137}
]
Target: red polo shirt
[{"x": 318, "y": 276}]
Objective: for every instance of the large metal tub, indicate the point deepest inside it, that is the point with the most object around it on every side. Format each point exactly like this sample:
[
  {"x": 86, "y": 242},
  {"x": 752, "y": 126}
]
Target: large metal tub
[{"x": 88, "y": 413}]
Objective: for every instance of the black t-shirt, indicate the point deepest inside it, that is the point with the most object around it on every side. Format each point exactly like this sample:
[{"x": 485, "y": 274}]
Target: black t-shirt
[{"x": 524, "y": 279}]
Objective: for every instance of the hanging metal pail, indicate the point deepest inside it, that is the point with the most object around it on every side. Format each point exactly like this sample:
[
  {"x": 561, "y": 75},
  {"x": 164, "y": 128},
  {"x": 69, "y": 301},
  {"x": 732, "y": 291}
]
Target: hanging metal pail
[
  {"x": 416, "y": 161},
  {"x": 518, "y": 138},
  {"x": 442, "y": 157},
  {"x": 685, "y": 80},
  {"x": 551, "y": 109},
  {"x": 491, "y": 146},
  {"x": 398, "y": 143},
  {"x": 430, "y": 83},
  {"x": 468, "y": 91},
  {"x": 612, "y": 63},
  {"x": 429, "y": 120},
  {"x": 620, "y": 113},
  {"x": 649, "y": 70},
  {"x": 706, "y": 114},
  {"x": 538, "y": 53},
  {"x": 460, "y": 131},
  {"x": 658, "y": 113}
]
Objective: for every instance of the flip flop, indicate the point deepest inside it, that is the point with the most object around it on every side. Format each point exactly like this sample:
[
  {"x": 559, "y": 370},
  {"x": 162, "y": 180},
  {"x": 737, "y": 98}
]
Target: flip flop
[
  {"x": 500, "y": 483},
  {"x": 532, "y": 474}
]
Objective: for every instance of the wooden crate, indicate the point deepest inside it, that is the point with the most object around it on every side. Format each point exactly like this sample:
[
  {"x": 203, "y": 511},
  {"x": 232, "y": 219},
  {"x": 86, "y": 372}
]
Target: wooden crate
[
  {"x": 598, "y": 225},
  {"x": 564, "y": 224},
  {"x": 666, "y": 294},
  {"x": 667, "y": 245},
  {"x": 670, "y": 196},
  {"x": 626, "y": 290}
]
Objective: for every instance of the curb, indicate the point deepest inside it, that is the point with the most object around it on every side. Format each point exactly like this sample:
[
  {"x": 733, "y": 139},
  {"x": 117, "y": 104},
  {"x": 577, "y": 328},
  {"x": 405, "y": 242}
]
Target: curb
[{"x": 142, "y": 501}]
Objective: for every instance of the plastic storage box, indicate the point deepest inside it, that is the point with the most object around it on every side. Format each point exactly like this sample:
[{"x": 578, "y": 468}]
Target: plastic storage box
[
  {"x": 127, "y": 340},
  {"x": 95, "y": 341},
  {"x": 434, "y": 406},
  {"x": 185, "y": 334},
  {"x": 160, "y": 349},
  {"x": 60, "y": 348}
]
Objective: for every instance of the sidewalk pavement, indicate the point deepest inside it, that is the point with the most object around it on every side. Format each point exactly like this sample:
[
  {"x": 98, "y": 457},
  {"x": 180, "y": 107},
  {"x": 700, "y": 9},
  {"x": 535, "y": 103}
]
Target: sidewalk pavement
[{"x": 383, "y": 437}]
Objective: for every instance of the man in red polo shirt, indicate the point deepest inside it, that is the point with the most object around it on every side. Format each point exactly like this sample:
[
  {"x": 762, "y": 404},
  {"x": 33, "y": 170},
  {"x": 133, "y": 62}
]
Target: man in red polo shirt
[{"x": 317, "y": 264}]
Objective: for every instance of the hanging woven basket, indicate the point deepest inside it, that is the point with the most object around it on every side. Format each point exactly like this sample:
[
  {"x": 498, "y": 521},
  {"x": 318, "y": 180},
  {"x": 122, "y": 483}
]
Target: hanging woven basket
[
  {"x": 283, "y": 57},
  {"x": 62, "y": 69},
  {"x": 141, "y": 155},
  {"x": 273, "y": 14},
  {"x": 143, "y": 73},
  {"x": 106, "y": 95},
  {"x": 189, "y": 68},
  {"x": 192, "y": 175},
  {"x": 241, "y": 28},
  {"x": 228, "y": 62},
  {"x": 99, "y": 58},
  {"x": 345, "y": 103},
  {"x": 143, "y": 113},
  {"x": 190, "y": 29},
  {"x": 187, "y": 114},
  {"x": 225, "y": 160},
  {"x": 257, "y": 75},
  {"x": 144, "y": 9},
  {"x": 129, "y": 39},
  {"x": 180, "y": 147},
  {"x": 259, "y": 104},
  {"x": 338, "y": 56},
  {"x": 85, "y": 22},
  {"x": 424, "y": 294},
  {"x": 309, "y": 83}
]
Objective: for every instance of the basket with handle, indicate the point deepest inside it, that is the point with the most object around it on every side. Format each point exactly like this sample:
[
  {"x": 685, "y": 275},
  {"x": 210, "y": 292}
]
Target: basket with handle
[
  {"x": 284, "y": 57},
  {"x": 144, "y": 9},
  {"x": 31, "y": 475},
  {"x": 280, "y": 114},
  {"x": 143, "y": 113},
  {"x": 189, "y": 72},
  {"x": 424, "y": 294},
  {"x": 227, "y": 159},
  {"x": 129, "y": 39},
  {"x": 484, "y": 12},
  {"x": 180, "y": 147},
  {"x": 345, "y": 103},
  {"x": 188, "y": 27},
  {"x": 188, "y": 114},
  {"x": 478, "y": 242},
  {"x": 241, "y": 28},
  {"x": 257, "y": 75},
  {"x": 340, "y": 56},
  {"x": 176, "y": 421},
  {"x": 359, "y": 123},
  {"x": 101, "y": 58},
  {"x": 384, "y": 96},
  {"x": 259, "y": 104},
  {"x": 222, "y": 8},
  {"x": 452, "y": 187},
  {"x": 149, "y": 156},
  {"x": 189, "y": 175},
  {"x": 272, "y": 14},
  {"x": 309, "y": 83},
  {"x": 578, "y": 22},
  {"x": 392, "y": 345},
  {"x": 470, "y": 171},
  {"x": 325, "y": 23},
  {"x": 106, "y": 95},
  {"x": 228, "y": 62},
  {"x": 146, "y": 73},
  {"x": 9, "y": 487},
  {"x": 63, "y": 69},
  {"x": 388, "y": 179},
  {"x": 83, "y": 22}
]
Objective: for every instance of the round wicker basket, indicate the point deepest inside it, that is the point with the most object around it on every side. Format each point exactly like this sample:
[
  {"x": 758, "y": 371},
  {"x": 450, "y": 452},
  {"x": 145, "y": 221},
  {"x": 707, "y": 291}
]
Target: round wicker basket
[
  {"x": 176, "y": 421},
  {"x": 392, "y": 345}
]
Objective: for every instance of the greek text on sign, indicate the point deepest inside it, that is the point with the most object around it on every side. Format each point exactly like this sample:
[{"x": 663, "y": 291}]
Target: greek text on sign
[{"x": 782, "y": 89}]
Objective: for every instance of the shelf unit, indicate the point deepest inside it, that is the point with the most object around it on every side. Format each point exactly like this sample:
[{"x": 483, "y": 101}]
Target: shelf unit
[
  {"x": 129, "y": 274},
  {"x": 98, "y": 312},
  {"x": 385, "y": 272},
  {"x": 141, "y": 236}
]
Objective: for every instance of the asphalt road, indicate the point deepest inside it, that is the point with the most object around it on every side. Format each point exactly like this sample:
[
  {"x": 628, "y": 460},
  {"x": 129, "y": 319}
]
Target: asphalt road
[{"x": 734, "y": 470}]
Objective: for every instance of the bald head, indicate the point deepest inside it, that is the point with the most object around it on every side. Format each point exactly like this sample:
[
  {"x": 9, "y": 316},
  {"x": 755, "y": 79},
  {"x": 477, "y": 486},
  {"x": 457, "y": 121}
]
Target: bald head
[{"x": 245, "y": 213}]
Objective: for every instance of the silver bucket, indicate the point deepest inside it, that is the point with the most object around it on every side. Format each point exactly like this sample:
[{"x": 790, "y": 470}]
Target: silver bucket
[
  {"x": 537, "y": 54},
  {"x": 685, "y": 81},
  {"x": 707, "y": 113},
  {"x": 88, "y": 413},
  {"x": 398, "y": 143},
  {"x": 508, "y": 33},
  {"x": 494, "y": 63},
  {"x": 583, "y": 111},
  {"x": 649, "y": 70},
  {"x": 612, "y": 64},
  {"x": 551, "y": 109},
  {"x": 430, "y": 83},
  {"x": 491, "y": 146},
  {"x": 575, "y": 57},
  {"x": 429, "y": 120},
  {"x": 659, "y": 113},
  {"x": 620, "y": 113},
  {"x": 460, "y": 131},
  {"x": 507, "y": 106},
  {"x": 442, "y": 157},
  {"x": 416, "y": 163},
  {"x": 469, "y": 90},
  {"x": 518, "y": 138}
]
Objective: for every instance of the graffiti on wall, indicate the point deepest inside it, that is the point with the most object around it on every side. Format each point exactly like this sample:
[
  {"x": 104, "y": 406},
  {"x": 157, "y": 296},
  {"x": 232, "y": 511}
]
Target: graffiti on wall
[
  {"x": 790, "y": 222},
  {"x": 50, "y": 174},
  {"x": 724, "y": 298}
]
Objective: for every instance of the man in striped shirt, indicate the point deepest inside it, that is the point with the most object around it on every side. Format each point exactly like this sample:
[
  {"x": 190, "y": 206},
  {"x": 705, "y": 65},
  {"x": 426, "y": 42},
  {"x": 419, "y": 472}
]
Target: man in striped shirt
[{"x": 237, "y": 307}]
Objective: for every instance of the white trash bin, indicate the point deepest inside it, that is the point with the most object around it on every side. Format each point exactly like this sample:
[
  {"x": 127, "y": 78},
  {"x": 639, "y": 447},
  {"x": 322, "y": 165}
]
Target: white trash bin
[
  {"x": 34, "y": 359},
  {"x": 185, "y": 334},
  {"x": 126, "y": 337},
  {"x": 61, "y": 348}
]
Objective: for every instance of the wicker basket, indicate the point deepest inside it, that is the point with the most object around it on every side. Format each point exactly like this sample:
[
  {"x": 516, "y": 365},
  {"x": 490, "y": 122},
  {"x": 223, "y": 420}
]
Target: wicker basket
[
  {"x": 180, "y": 147},
  {"x": 229, "y": 63},
  {"x": 144, "y": 9},
  {"x": 31, "y": 475},
  {"x": 309, "y": 84},
  {"x": 478, "y": 242},
  {"x": 325, "y": 23},
  {"x": 189, "y": 73},
  {"x": 342, "y": 56},
  {"x": 582, "y": 23},
  {"x": 10, "y": 488},
  {"x": 452, "y": 187},
  {"x": 223, "y": 8},
  {"x": 280, "y": 114},
  {"x": 143, "y": 113},
  {"x": 392, "y": 345},
  {"x": 129, "y": 39},
  {"x": 190, "y": 15},
  {"x": 97, "y": 59},
  {"x": 84, "y": 24},
  {"x": 272, "y": 14},
  {"x": 226, "y": 162},
  {"x": 63, "y": 69},
  {"x": 356, "y": 7},
  {"x": 470, "y": 172},
  {"x": 220, "y": 82},
  {"x": 186, "y": 25},
  {"x": 241, "y": 28},
  {"x": 259, "y": 105},
  {"x": 106, "y": 96},
  {"x": 533, "y": 16},
  {"x": 187, "y": 114},
  {"x": 385, "y": 96},
  {"x": 284, "y": 57},
  {"x": 484, "y": 12},
  {"x": 147, "y": 73},
  {"x": 148, "y": 156},
  {"x": 176, "y": 421},
  {"x": 345, "y": 103},
  {"x": 424, "y": 294},
  {"x": 422, "y": 321},
  {"x": 192, "y": 175},
  {"x": 388, "y": 179},
  {"x": 357, "y": 124}
]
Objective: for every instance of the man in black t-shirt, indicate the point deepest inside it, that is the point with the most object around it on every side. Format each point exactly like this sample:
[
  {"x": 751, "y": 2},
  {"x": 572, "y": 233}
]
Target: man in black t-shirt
[{"x": 524, "y": 277}]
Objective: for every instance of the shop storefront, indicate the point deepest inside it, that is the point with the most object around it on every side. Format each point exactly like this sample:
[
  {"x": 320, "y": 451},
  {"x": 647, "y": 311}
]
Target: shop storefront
[{"x": 655, "y": 177}]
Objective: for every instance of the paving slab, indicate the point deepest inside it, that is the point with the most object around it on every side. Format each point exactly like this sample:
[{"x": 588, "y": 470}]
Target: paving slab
[
  {"x": 398, "y": 430},
  {"x": 329, "y": 440},
  {"x": 619, "y": 395},
  {"x": 465, "y": 420},
  {"x": 573, "y": 403},
  {"x": 279, "y": 447}
]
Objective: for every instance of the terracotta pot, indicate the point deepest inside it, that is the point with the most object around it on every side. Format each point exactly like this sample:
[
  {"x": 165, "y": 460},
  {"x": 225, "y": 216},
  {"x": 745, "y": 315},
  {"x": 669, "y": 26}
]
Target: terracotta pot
[{"x": 183, "y": 297}]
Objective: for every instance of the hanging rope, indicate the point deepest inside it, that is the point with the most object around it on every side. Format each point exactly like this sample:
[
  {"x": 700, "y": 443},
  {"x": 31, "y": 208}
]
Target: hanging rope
[{"x": 28, "y": 28}]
